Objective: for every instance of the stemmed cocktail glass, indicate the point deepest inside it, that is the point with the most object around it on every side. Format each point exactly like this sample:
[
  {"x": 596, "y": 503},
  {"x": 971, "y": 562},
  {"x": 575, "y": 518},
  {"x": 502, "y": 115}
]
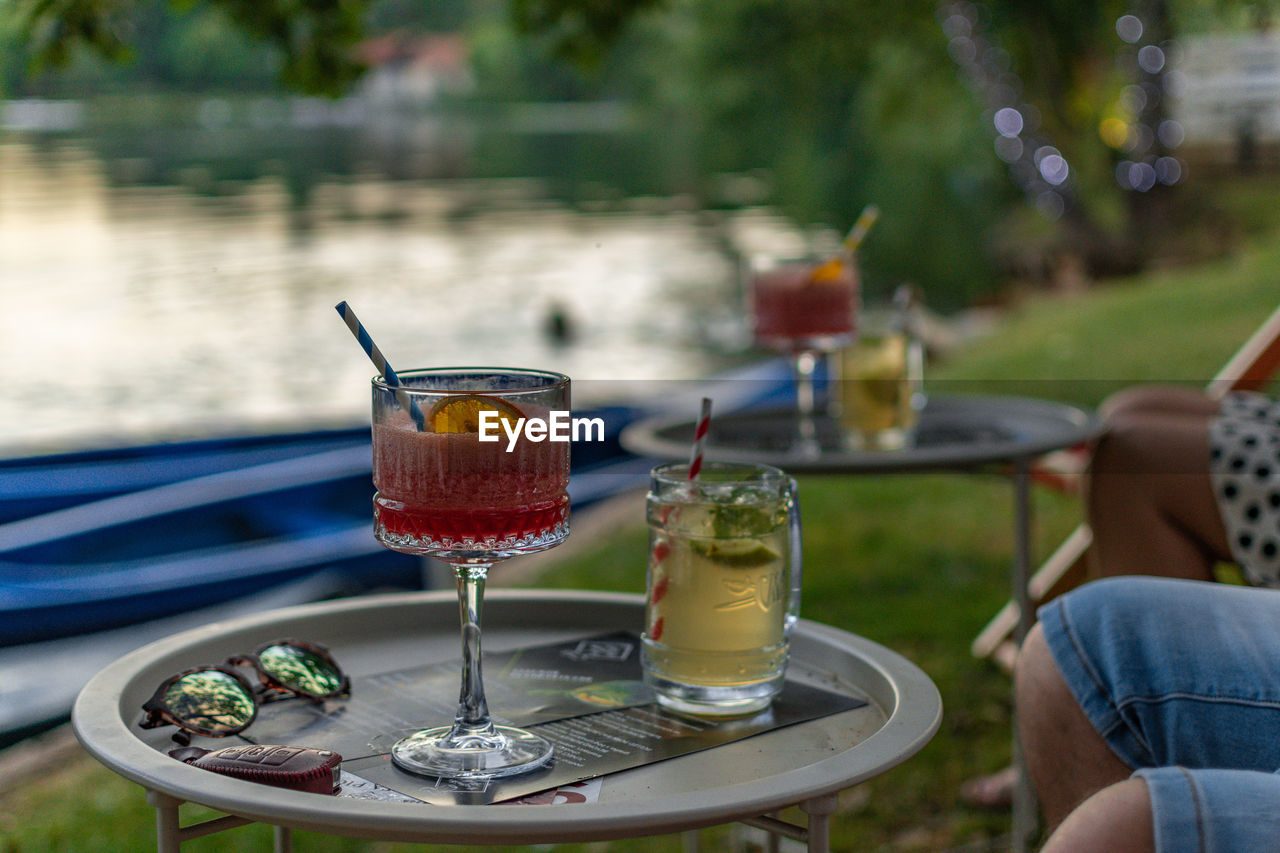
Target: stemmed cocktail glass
[
  {"x": 805, "y": 308},
  {"x": 445, "y": 493}
]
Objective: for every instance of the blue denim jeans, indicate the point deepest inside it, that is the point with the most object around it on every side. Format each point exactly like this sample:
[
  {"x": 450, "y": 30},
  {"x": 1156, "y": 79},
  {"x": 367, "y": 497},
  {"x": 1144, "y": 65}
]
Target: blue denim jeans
[{"x": 1182, "y": 681}]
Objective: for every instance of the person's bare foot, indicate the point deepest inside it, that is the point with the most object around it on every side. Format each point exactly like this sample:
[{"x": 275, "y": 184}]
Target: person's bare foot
[{"x": 994, "y": 791}]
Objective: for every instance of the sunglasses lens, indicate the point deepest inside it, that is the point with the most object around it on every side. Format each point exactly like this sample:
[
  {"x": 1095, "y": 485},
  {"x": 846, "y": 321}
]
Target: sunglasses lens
[
  {"x": 303, "y": 670},
  {"x": 210, "y": 703}
]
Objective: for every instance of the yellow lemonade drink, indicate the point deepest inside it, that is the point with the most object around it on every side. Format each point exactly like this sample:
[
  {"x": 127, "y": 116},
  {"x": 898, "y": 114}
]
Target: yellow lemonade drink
[
  {"x": 877, "y": 405},
  {"x": 720, "y": 592}
]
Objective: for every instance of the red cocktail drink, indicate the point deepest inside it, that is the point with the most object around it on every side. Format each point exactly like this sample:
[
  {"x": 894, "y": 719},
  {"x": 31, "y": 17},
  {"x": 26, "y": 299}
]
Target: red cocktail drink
[
  {"x": 451, "y": 491},
  {"x": 800, "y": 306}
]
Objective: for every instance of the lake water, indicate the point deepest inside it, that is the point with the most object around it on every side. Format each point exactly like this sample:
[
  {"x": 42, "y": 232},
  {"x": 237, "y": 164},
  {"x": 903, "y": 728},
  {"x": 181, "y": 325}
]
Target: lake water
[{"x": 155, "y": 284}]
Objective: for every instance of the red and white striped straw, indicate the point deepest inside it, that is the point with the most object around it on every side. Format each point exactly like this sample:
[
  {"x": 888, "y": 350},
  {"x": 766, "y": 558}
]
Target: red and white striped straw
[{"x": 700, "y": 439}]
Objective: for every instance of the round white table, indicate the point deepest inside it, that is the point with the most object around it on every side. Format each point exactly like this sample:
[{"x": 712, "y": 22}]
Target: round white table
[{"x": 805, "y": 764}]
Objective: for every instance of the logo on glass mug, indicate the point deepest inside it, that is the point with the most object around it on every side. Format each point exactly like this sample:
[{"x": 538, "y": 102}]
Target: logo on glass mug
[{"x": 763, "y": 591}]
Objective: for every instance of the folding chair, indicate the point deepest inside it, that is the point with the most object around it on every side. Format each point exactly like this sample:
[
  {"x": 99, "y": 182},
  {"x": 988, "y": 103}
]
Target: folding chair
[{"x": 1250, "y": 369}]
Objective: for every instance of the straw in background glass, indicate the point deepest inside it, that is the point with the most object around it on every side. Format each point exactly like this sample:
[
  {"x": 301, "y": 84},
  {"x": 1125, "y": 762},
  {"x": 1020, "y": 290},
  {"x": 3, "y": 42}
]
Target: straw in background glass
[
  {"x": 831, "y": 267},
  {"x": 858, "y": 232}
]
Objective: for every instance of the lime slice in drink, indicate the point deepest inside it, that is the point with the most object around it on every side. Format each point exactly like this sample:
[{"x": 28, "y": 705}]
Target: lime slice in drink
[
  {"x": 462, "y": 414},
  {"x": 741, "y": 554}
]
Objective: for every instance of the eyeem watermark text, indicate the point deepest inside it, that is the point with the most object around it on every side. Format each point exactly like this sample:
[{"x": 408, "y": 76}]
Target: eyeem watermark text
[{"x": 560, "y": 426}]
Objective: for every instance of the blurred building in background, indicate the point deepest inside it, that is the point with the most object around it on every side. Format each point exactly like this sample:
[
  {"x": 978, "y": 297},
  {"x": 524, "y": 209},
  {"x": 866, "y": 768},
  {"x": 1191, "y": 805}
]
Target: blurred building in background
[
  {"x": 1228, "y": 100},
  {"x": 407, "y": 70}
]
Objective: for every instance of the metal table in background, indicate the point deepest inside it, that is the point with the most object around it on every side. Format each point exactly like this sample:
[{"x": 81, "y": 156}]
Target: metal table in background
[
  {"x": 805, "y": 764},
  {"x": 955, "y": 433}
]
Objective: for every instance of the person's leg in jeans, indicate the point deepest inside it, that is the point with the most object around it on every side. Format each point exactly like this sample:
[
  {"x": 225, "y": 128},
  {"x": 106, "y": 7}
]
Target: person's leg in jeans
[{"x": 1178, "y": 681}]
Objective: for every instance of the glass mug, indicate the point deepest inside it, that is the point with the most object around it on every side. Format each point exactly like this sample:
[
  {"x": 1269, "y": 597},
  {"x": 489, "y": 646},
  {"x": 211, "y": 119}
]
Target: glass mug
[
  {"x": 881, "y": 385},
  {"x": 723, "y": 586}
]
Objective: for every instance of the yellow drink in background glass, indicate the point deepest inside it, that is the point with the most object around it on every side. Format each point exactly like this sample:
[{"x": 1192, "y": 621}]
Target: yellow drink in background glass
[{"x": 880, "y": 389}]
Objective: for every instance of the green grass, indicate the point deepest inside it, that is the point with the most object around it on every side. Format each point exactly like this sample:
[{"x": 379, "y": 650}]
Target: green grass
[
  {"x": 918, "y": 563},
  {"x": 1169, "y": 326}
]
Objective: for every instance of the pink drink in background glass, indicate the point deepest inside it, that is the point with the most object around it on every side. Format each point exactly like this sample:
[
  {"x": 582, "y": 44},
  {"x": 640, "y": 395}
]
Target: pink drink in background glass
[
  {"x": 804, "y": 306},
  {"x": 450, "y": 490}
]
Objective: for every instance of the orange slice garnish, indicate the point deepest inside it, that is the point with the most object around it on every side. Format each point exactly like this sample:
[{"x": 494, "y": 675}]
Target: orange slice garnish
[
  {"x": 830, "y": 271},
  {"x": 462, "y": 414}
]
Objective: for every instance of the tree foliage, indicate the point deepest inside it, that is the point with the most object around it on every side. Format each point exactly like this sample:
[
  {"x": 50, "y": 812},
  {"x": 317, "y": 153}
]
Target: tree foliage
[
  {"x": 581, "y": 31},
  {"x": 314, "y": 38}
]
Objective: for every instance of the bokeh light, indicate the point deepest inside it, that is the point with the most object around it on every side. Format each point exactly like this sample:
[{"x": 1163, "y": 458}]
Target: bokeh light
[
  {"x": 1129, "y": 28},
  {"x": 1137, "y": 125},
  {"x": 1168, "y": 170},
  {"x": 1008, "y": 121},
  {"x": 1040, "y": 170},
  {"x": 1141, "y": 139},
  {"x": 1114, "y": 131},
  {"x": 1054, "y": 169},
  {"x": 1133, "y": 99},
  {"x": 1136, "y": 176},
  {"x": 1151, "y": 59},
  {"x": 1170, "y": 133},
  {"x": 1009, "y": 148}
]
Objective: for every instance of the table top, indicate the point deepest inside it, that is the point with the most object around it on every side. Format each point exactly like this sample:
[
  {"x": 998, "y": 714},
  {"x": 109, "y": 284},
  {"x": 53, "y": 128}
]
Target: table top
[
  {"x": 377, "y": 633},
  {"x": 961, "y": 431}
]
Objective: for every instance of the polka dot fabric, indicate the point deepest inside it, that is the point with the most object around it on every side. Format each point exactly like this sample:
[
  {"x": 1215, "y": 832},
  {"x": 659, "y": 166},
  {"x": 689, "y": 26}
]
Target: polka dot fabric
[{"x": 1244, "y": 467}]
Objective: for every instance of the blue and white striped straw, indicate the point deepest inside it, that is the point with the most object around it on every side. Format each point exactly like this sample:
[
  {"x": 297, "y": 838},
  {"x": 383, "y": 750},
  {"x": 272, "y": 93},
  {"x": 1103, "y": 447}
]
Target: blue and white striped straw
[{"x": 380, "y": 362}]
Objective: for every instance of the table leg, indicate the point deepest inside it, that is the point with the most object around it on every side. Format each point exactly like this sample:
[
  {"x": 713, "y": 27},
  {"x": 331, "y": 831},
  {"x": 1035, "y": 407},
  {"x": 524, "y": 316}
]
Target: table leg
[
  {"x": 168, "y": 834},
  {"x": 820, "y": 810},
  {"x": 1024, "y": 803},
  {"x": 283, "y": 839}
]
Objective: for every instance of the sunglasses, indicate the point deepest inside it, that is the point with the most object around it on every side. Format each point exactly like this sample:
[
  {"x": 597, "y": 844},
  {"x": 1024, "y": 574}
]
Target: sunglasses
[{"x": 218, "y": 701}]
